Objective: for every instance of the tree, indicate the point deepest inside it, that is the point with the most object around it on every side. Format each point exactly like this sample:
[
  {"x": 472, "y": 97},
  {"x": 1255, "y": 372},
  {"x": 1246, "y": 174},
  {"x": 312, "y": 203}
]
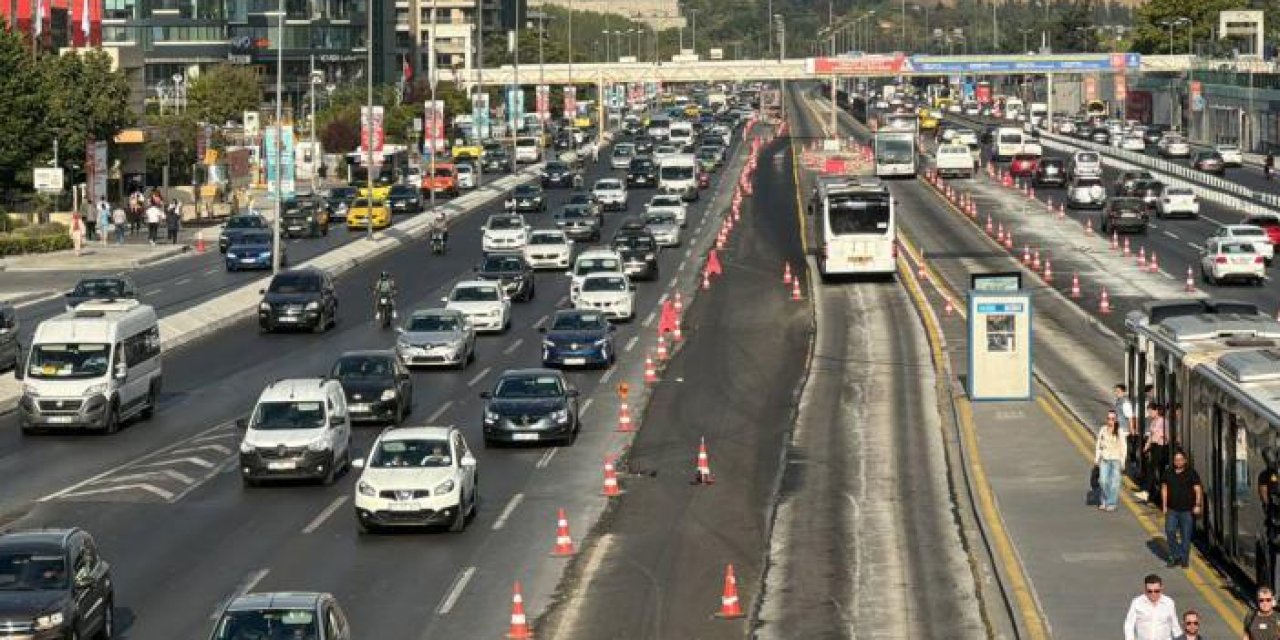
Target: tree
[
  {"x": 171, "y": 140},
  {"x": 84, "y": 99},
  {"x": 23, "y": 137},
  {"x": 1151, "y": 35},
  {"x": 1074, "y": 30},
  {"x": 223, "y": 93}
]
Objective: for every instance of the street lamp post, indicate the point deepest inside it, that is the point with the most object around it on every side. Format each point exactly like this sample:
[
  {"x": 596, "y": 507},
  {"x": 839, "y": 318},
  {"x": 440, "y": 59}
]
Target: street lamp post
[
  {"x": 694, "y": 45},
  {"x": 275, "y": 224},
  {"x": 432, "y": 77}
]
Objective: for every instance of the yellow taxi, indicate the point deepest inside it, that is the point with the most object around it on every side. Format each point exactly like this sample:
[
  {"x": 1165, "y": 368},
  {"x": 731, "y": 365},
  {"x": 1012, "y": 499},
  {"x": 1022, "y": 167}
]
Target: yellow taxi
[
  {"x": 692, "y": 111},
  {"x": 927, "y": 119},
  {"x": 360, "y": 211},
  {"x": 381, "y": 191}
]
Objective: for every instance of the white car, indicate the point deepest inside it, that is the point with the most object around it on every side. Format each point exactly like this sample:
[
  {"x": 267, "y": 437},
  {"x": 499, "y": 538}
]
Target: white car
[
  {"x": 1133, "y": 142},
  {"x": 725, "y": 133},
  {"x": 1174, "y": 147},
  {"x": 612, "y": 294},
  {"x": 593, "y": 261},
  {"x": 1066, "y": 127},
  {"x": 466, "y": 176},
  {"x": 1230, "y": 259},
  {"x": 1249, "y": 233},
  {"x": 1231, "y": 155},
  {"x": 670, "y": 203},
  {"x": 611, "y": 194},
  {"x": 1084, "y": 163},
  {"x": 414, "y": 477},
  {"x": 548, "y": 249},
  {"x": 664, "y": 151},
  {"x": 664, "y": 227},
  {"x": 504, "y": 232},
  {"x": 484, "y": 303},
  {"x": 967, "y": 137},
  {"x": 1178, "y": 201},
  {"x": 622, "y": 154},
  {"x": 1086, "y": 192}
]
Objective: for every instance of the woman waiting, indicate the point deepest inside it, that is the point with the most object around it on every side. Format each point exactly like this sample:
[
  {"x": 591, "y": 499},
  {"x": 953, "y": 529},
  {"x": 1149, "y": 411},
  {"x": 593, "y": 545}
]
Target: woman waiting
[{"x": 1109, "y": 456}]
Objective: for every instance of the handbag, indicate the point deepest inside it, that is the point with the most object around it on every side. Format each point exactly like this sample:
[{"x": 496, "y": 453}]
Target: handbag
[{"x": 1094, "y": 496}]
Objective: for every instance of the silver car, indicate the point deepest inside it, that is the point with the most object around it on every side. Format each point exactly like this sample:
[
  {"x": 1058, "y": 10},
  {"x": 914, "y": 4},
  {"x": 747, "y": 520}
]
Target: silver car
[
  {"x": 664, "y": 227},
  {"x": 622, "y": 154},
  {"x": 436, "y": 337},
  {"x": 1086, "y": 193}
]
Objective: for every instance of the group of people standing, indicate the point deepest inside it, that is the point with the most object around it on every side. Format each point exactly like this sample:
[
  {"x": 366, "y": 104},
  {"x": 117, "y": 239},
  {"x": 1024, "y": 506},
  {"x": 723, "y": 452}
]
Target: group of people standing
[{"x": 102, "y": 221}]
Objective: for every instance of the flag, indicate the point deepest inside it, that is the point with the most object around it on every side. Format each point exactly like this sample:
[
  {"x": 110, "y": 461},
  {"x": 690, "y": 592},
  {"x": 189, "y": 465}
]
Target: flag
[
  {"x": 84, "y": 22},
  {"x": 39, "y": 18},
  {"x": 406, "y": 71}
]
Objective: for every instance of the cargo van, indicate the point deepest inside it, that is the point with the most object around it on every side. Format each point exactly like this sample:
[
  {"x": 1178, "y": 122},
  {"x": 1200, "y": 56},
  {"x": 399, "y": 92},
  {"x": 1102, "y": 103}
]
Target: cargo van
[
  {"x": 528, "y": 150},
  {"x": 680, "y": 133},
  {"x": 1008, "y": 142},
  {"x": 92, "y": 368}
]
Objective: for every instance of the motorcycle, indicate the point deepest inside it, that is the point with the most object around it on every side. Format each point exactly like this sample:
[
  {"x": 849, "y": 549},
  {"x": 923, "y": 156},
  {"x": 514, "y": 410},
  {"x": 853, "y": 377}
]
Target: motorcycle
[
  {"x": 437, "y": 242},
  {"x": 386, "y": 310}
]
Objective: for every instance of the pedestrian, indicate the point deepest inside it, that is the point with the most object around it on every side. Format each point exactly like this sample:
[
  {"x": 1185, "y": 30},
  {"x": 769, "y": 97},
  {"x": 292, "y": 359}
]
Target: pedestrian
[
  {"x": 120, "y": 221},
  {"x": 1182, "y": 496},
  {"x": 1269, "y": 165},
  {"x": 77, "y": 231},
  {"x": 1109, "y": 455},
  {"x": 90, "y": 220},
  {"x": 103, "y": 219},
  {"x": 172, "y": 221},
  {"x": 137, "y": 206},
  {"x": 1155, "y": 452},
  {"x": 1263, "y": 623},
  {"x": 154, "y": 216},
  {"x": 1191, "y": 625},
  {"x": 1152, "y": 615},
  {"x": 1129, "y": 427}
]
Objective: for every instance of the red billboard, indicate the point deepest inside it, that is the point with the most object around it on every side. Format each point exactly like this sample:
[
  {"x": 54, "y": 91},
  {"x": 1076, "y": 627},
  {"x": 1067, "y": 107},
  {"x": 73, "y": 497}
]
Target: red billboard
[
  {"x": 886, "y": 64},
  {"x": 982, "y": 93},
  {"x": 1138, "y": 107},
  {"x": 1090, "y": 88}
]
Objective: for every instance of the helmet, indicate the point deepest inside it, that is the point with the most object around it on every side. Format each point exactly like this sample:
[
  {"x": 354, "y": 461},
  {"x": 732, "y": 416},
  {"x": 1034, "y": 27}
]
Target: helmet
[{"x": 385, "y": 275}]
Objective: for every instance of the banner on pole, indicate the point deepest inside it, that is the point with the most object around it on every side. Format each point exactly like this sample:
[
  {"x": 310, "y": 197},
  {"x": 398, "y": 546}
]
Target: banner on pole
[
  {"x": 95, "y": 154},
  {"x": 278, "y": 142},
  {"x": 371, "y": 125},
  {"x": 542, "y": 102},
  {"x": 433, "y": 121},
  {"x": 570, "y": 102},
  {"x": 480, "y": 115}
]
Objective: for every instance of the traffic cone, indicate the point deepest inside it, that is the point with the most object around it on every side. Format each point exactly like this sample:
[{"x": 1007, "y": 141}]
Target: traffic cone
[
  {"x": 730, "y": 606},
  {"x": 1075, "y": 285},
  {"x": 1000, "y": 234},
  {"x": 1026, "y": 254},
  {"x": 1115, "y": 241},
  {"x": 678, "y": 304},
  {"x": 786, "y": 273},
  {"x": 706, "y": 280},
  {"x": 200, "y": 241},
  {"x": 1142, "y": 258},
  {"x": 650, "y": 371},
  {"x": 676, "y": 334},
  {"x": 564, "y": 542},
  {"x": 1104, "y": 305},
  {"x": 519, "y": 624},
  {"x": 921, "y": 274},
  {"x": 611, "y": 488},
  {"x": 662, "y": 349},
  {"x": 948, "y": 309},
  {"x": 1008, "y": 240},
  {"x": 625, "y": 425},
  {"x": 1153, "y": 265},
  {"x": 989, "y": 224},
  {"x": 1088, "y": 226},
  {"x": 1035, "y": 260},
  {"x": 795, "y": 290},
  {"x": 1191, "y": 281},
  {"x": 1126, "y": 248},
  {"x": 1048, "y": 271},
  {"x": 702, "y": 473},
  {"x": 1031, "y": 191}
]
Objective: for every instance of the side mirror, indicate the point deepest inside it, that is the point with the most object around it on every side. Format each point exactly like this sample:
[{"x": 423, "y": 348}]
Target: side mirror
[
  {"x": 122, "y": 371},
  {"x": 486, "y": 394},
  {"x": 468, "y": 461},
  {"x": 357, "y": 462},
  {"x": 444, "y": 299},
  {"x": 242, "y": 423},
  {"x": 542, "y": 329},
  {"x": 337, "y": 421}
]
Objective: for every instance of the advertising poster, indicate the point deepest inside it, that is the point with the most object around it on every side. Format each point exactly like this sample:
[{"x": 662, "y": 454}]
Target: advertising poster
[
  {"x": 480, "y": 115},
  {"x": 570, "y": 102},
  {"x": 371, "y": 122},
  {"x": 542, "y": 102},
  {"x": 433, "y": 125},
  {"x": 1090, "y": 88}
]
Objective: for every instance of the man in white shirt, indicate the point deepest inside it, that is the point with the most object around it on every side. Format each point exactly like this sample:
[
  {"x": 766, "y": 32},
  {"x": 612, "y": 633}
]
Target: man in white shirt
[{"x": 1152, "y": 615}]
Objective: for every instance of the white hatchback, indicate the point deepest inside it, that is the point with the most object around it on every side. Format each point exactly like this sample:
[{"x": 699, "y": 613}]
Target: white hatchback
[
  {"x": 548, "y": 249},
  {"x": 1177, "y": 201},
  {"x": 1231, "y": 155},
  {"x": 484, "y": 303},
  {"x": 1133, "y": 143},
  {"x": 1227, "y": 259},
  {"x": 611, "y": 294},
  {"x": 593, "y": 261},
  {"x": 416, "y": 476}
]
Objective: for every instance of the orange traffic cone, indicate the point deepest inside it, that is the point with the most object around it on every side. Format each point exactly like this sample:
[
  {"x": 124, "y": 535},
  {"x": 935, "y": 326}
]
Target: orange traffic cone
[
  {"x": 1153, "y": 265},
  {"x": 676, "y": 334},
  {"x": 706, "y": 280},
  {"x": 947, "y": 309},
  {"x": 1075, "y": 285},
  {"x": 662, "y": 349},
  {"x": 921, "y": 274},
  {"x": 730, "y": 606},
  {"x": 200, "y": 241},
  {"x": 1115, "y": 241},
  {"x": 1088, "y": 226},
  {"x": 1048, "y": 271},
  {"x": 786, "y": 273},
  {"x": 611, "y": 488},
  {"x": 1126, "y": 248},
  {"x": 1026, "y": 254},
  {"x": 1104, "y": 305},
  {"x": 519, "y": 624},
  {"x": 678, "y": 304},
  {"x": 564, "y": 542},
  {"x": 1142, "y": 258},
  {"x": 1035, "y": 260},
  {"x": 702, "y": 474},
  {"x": 795, "y": 289},
  {"x": 988, "y": 224},
  {"x": 1191, "y": 281},
  {"x": 1008, "y": 240},
  {"x": 650, "y": 372},
  {"x": 625, "y": 425}
]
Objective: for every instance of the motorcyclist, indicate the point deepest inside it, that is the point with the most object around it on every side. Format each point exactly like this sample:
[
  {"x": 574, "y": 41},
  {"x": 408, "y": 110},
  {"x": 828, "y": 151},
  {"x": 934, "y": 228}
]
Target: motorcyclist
[
  {"x": 440, "y": 229},
  {"x": 384, "y": 287}
]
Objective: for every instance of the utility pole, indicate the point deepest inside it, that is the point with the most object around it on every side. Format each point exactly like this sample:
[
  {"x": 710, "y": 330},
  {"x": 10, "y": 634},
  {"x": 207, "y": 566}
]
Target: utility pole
[
  {"x": 695, "y": 30},
  {"x": 432, "y": 78},
  {"x": 315, "y": 82},
  {"x": 275, "y": 224},
  {"x": 369, "y": 167}
]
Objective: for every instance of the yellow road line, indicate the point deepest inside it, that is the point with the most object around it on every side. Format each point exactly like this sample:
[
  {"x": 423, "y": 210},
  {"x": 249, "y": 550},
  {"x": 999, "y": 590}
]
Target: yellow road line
[{"x": 800, "y": 210}]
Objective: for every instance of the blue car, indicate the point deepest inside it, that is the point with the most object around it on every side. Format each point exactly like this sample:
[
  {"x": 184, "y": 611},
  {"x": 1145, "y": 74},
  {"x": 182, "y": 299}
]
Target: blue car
[
  {"x": 252, "y": 251},
  {"x": 578, "y": 338}
]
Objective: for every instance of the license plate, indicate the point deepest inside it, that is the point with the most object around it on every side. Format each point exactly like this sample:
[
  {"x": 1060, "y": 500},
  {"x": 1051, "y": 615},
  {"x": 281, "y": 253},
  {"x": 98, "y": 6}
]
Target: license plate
[
  {"x": 61, "y": 419},
  {"x": 859, "y": 259},
  {"x": 403, "y": 506},
  {"x": 359, "y": 408},
  {"x": 295, "y": 228},
  {"x": 573, "y": 361},
  {"x": 283, "y": 465},
  {"x": 247, "y": 260},
  {"x": 524, "y": 437},
  {"x": 287, "y": 319}
]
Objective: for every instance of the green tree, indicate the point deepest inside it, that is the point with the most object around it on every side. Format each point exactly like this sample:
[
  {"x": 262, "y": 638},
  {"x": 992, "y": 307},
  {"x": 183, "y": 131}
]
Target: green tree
[
  {"x": 171, "y": 139},
  {"x": 223, "y": 93},
  {"x": 22, "y": 135},
  {"x": 84, "y": 99},
  {"x": 1151, "y": 35}
]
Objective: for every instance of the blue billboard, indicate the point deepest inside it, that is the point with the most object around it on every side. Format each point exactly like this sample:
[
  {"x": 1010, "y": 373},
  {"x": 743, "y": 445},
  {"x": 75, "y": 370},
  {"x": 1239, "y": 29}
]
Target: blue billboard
[{"x": 1065, "y": 63}]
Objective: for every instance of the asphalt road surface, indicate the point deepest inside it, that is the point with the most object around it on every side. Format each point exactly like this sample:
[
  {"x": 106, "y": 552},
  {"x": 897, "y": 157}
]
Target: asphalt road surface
[{"x": 194, "y": 537}]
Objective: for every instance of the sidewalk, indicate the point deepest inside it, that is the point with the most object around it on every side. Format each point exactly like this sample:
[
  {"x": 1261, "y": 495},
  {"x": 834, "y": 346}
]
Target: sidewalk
[{"x": 96, "y": 256}]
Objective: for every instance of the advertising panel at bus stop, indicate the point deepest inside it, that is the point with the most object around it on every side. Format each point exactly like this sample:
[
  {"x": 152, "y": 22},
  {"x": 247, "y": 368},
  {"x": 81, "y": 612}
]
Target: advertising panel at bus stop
[{"x": 999, "y": 338}]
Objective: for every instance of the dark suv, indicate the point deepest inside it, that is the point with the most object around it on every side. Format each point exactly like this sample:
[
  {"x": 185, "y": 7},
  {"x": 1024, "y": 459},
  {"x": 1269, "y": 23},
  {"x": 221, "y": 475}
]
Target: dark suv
[
  {"x": 638, "y": 249},
  {"x": 1050, "y": 172},
  {"x": 404, "y": 198},
  {"x": 54, "y": 585},
  {"x": 1124, "y": 214},
  {"x": 512, "y": 271},
  {"x": 557, "y": 174},
  {"x": 238, "y": 225},
  {"x": 304, "y": 219},
  {"x": 301, "y": 298}
]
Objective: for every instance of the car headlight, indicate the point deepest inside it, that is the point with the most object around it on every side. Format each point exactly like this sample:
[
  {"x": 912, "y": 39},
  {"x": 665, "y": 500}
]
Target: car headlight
[
  {"x": 319, "y": 444},
  {"x": 561, "y": 415},
  {"x": 490, "y": 415},
  {"x": 264, "y": 306},
  {"x": 649, "y": 256},
  {"x": 601, "y": 342},
  {"x": 366, "y": 489},
  {"x": 309, "y": 219},
  {"x": 313, "y": 306},
  {"x": 548, "y": 344},
  {"x": 246, "y": 447},
  {"x": 389, "y": 394},
  {"x": 443, "y": 488},
  {"x": 51, "y": 621},
  {"x": 95, "y": 389},
  {"x": 231, "y": 256}
]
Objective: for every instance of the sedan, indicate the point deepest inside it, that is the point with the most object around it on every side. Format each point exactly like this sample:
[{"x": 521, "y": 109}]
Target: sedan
[
  {"x": 253, "y": 251},
  {"x": 511, "y": 271},
  {"x": 377, "y": 385},
  {"x": 577, "y": 223},
  {"x": 417, "y": 476},
  {"x": 1226, "y": 259},
  {"x": 100, "y": 288},
  {"x": 1051, "y": 172},
  {"x": 1231, "y": 155},
  {"x": 238, "y": 225},
  {"x": 1250, "y": 233},
  {"x": 1124, "y": 214},
  {"x": 1024, "y": 165},
  {"x": 557, "y": 174},
  {"x": 609, "y": 293},
  {"x": 1133, "y": 143},
  {"x": 1174, "y": 147},
  {"x": 405, "y": 199},
  {"x": 611, "y": 193},
  {"x": 487, "y": 308},
  {"x": 1208, "y": 162},
  {"x": 622, "y": 154},
  {"x": 1269, "y": 222},
  {"x": 504, "y": 232},
  {"x": 548, "y": 249},
  {"x": 1178, "y": 201},
  {"x": 664, "y": 227},
  {"x": 526, "y": 198},
  {"x": 436, "y": 337},
  {"x": 530, "y": 405},
  {"x": 578, "y": 338}
]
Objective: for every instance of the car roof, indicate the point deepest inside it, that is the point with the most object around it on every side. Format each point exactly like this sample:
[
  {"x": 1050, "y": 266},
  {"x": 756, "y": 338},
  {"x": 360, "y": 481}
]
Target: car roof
[
  {"x": 1242, "y": 227},
  {"x": 532, "y": 371},
  {"x": 437, "y": 311},
  {"x": 367, "y": 353},
  {"x": 53, "y": 537},
  {"x": 295, "y": 389},
  {"x": 466, "y": 284},
  {"x": 413, "y": 433},
  {"x": 276, "y": 600},
  {"x": 598, "y": 253}
]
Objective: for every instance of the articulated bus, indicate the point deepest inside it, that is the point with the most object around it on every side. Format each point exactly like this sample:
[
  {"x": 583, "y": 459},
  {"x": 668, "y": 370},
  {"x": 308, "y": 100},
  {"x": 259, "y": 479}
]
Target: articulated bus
[
  {"x": 857, "y": 229},
  {"x": 1214, "y": 366}
]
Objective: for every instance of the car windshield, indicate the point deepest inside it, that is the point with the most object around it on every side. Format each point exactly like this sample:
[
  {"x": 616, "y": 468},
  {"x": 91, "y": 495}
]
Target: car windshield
[
  {"x": 1181, "y": 191},
  {"x": 526, "y": 191},
  {"x": 255, "y": 239},
  {"x": 1127, "y": 204},
  {"x": 32, "y": 571},
  {"x": 574, "y": 212},
  {"x": 419, "y": 454},
  {"x": 246, "y": 222},
  {"x": 660, "y": 219},
  {"x": 1236, "y": 248},
  {"x": 1245, "y": 232},
  {"x": 547, "y": 238},
  {"x": 666, "y": 201},
  {"x": 505, "y": 222},
  {"x": 1089, "y": 183},
  {"x": 557, "y": 167},
  {"x": 580, "y": 198},
  {"x": 528, "y": 386},
  {"x": 100, "y": 288},
  {"x": 624, "y": 150},
  {"x": 432, "y": 322},
  {"x": 526, "y": 142},
  {"x": 579, "y": 322},
  {"x": 608, "y": 185},
  {"x": 288, "y": 624},
  {"x": 501, "y": 263},
  {"x": 642, "y": 243},
  {"x": 475, "y": 294},
  {"x": 287, "y": 283},
  {"x": 68, "y": 361},
  {"x": 272, "y": 416},
  {"x": 858, "y": 215},
  {"x": 363, "y": 367},
  {"x": 444, "y": 172},
  {"x": 592, "y": 265},
  {"x": 363, "y": 203},
  {"x": 342, "y": 193},
  {"x": 1089, "y": 158},
  {"x": 605, "y": 283},
  {"x": 401, "y": 190}
]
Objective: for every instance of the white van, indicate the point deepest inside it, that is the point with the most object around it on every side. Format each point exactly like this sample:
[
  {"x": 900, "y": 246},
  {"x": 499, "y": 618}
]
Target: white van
[
  {"x": 1039, "y": 113},
  {"x": 659, "y": 127},
  {"x": 528, "y": 150},
  {"x": 679, "y": 174},
  {"x": 299, "y": 429},
  {"x": 1008, "y": 142},
  {"x": 954, "y": 160},
  {"x": 1013, "y": 109},
  {"x": 680, "y": 133},
  {"x": 92, "y": 368}
]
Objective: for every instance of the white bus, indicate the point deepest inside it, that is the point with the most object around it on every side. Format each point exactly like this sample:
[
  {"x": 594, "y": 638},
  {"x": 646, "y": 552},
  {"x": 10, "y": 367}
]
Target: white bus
[
  {"x": 857, "y": 229},
  {"x": 895, "y": 153}
]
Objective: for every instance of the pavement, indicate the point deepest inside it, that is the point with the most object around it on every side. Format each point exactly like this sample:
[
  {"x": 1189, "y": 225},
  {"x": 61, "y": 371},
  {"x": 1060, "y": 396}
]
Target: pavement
[
  {"x": 166, "y": 506},
  {"x": 109, "y": 256}
]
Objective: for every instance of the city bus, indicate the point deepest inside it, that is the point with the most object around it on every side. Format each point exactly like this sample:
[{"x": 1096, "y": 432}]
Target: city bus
[
  {"x": 857, "y": 232},
  {"x": 895, "y": 153},
  {"x": 1212, "y": 364}
]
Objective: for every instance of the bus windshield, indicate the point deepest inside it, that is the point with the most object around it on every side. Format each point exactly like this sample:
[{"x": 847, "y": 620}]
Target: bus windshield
[
  {"x": 850, "y": 215},
  {"x": 894, "y": 150}
]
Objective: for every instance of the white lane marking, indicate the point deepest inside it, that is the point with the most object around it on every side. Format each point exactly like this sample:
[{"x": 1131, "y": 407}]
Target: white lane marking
[
  {"x": 1172, "y": 235},
  {"x": 35, "y": 301},
  {"x": 435, "y": 415},
  {"x": 211, "y": 270},
  {"x": 546, "y": 458},
  {"x": 513, "y": 346},
  {"x": 563, "y": 299},
  {"x": 152, "y": 292},
  {"x": 163, "y": 494},
  {"x": 672, "y": 284},
  {"x": 688, "y": 253},
  {"x": 182, "y": 281},
  {"x": 455, "y": 591},
  {"x": 244, "y": 587},
  {"x": 604, "y": 379},
  {"x": 1195, "y": 246},
  {"x": 324, "y": 515},
  {"x": 541, "y": 321},
  {"x": 631, "y": 343},
  {"x": 586, "y": 405},
  {"x": 648, "y": 320},
  {"x": 507, "y": 510},
  {"x": 683, "y": 263},
  {"x": 199, "y": 462},
  {"x": 479, "y": 376}
]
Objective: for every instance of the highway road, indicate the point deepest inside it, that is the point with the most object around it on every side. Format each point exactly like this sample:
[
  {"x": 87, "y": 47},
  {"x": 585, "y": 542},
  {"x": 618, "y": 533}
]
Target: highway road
[{"x": 193, "y": 537}]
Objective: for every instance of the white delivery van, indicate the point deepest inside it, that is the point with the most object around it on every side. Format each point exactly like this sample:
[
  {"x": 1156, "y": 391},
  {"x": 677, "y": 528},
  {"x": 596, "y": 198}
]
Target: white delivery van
[
  {"x": 954, "y": 160},
  {"x": 1008, "y": 142},
  {"x": 92, "y": 368},
  {"x": 1013, "y": 109},
  {"x": 528, "y": 150},
  {"x": 679, "y": 174},
  {"x": 300, "y": 429},
  {"x": 680, "y": 133},
  {"x": 659, "y": 127},
  {"x": 1038, "y": 114}
]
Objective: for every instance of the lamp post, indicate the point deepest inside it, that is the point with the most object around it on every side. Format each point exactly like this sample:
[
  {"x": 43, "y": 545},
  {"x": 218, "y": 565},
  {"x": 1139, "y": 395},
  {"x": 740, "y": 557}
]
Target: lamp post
[
  {"x": 369, "y": 166},
  {"x": 275, "y": 224},
  {"x": 694, "y": 46},
  {"x": 432, "y": 78}
]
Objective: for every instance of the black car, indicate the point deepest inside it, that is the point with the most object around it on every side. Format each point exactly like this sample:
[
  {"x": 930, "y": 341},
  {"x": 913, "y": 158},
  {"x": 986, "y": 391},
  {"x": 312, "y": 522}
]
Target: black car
[
  {"x": 1154, "y": 132},
  {"x": 100, "y": 288},
  {"x": 1124, "y": 182},
  {"x": 237, "y": 225},
  {"x": 304, "y": 219},
  {"x": 496, "y": 160},
  {"x": 578, "y": 337},
  {"x": 578, "y": 223},
  {"x": 404, "y": 198},
  {"x": 340, "y": 199},
  {"x": 989, "y": 134},
  {"x": 10, "y": 348},
  {"x": 565, "y": 141},
  {"x": 586, "y": 199},
  {"x": 557, "y": 174},
  {"x": 377, "y": 386},
  {"x": 643, "y": 172},
  {"x": 530, "y": 405},
  {"x": 644, "y": 144},
  {"x": 1124, "y": 214},
  {"x": 54, "y": 585},
  {"x": 639, "y": 252},
  {"x": 631, "y": 127},
  {"x": 1051, "y": 172},
  {"x": 1100, "y": 135},
  {"x": 300, "y": 298},
  {"x": 512, "y": 270},
  {"x": 527, "y": 198}
]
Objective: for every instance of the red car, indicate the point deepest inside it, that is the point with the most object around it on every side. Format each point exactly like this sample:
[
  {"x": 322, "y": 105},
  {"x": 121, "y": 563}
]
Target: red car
[
  {"x": 704, "y": 180},
  {"x": 1024, "y": 165},
  {"x": 1270, "y": 222}
]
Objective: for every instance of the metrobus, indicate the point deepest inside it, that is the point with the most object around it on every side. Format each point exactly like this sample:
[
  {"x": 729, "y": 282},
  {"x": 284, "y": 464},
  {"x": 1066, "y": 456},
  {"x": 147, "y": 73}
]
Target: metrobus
[
  {"x": 1212, "y": 365},
  {"x": 895, "y": 153},
  {"x": 857, "y": 230}
]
